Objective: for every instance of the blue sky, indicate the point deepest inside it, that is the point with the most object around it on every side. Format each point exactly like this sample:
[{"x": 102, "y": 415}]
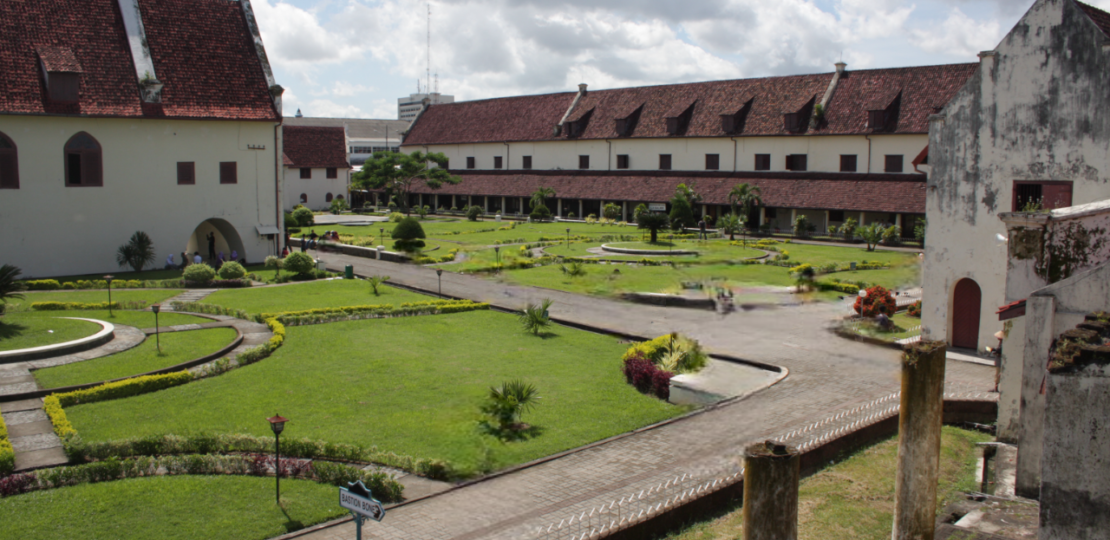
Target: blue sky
[{"x": 354, "y": 58}]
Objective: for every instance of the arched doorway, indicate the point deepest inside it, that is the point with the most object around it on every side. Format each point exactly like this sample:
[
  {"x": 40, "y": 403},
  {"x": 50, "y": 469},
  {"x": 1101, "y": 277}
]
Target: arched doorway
[
  {"x": 227, "y": 239},
  {"x": 966, "y": 301}
]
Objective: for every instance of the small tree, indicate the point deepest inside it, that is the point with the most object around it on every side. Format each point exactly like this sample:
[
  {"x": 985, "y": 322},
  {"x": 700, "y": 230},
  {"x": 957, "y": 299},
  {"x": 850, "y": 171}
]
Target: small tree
[
  {"x": 137, "y": 252},
  {"x": 338, "y": 205},
  {"x": 611, "y": 211},
  {"x": 200, "y": 274},
  {"x": 653, "y": 223},
  {"x": 398, "y": 172},
  {"x": 640, "y": 209},
  {"x": 534, "y": 318},
  {"x": 919, "y": 230},
  {"x": 299, "y": 263},
  {"x": 10, "y": 286},
  {"x": 747, "y": 197},
  {"x": 304, "y": 217},
  {"x": 877, "y": 300},
  {"x": 274, "y": 262},
  {"x": 375, "y": 282},
  {"x": 801, "y": 226},
  {"x": 540, "y": 196},
  {"x": 232, "y": 270},
  {"x": 473, "y": 213},
  {"x": 892, "y": 236},
  {"x": 682, "y": 214},
  {"x": 505, "y": 405},
  {"x": 408, "y": 235},
  {"x": 848, "y": 229},
  {"x": 423, "y": 211},
  {"x": 730, "y": 225},
  {"x": 872, "y": 234},
  {"x": 540, "y": 213}
]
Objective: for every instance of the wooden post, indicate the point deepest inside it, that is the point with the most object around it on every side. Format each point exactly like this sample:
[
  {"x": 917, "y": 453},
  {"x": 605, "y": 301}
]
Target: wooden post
[
  {"x": 771, "y": 473},
  {"x": 921, "y": 414}
]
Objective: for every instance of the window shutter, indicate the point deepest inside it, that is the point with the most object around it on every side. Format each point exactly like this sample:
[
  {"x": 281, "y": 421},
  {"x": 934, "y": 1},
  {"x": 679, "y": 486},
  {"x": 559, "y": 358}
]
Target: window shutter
[
  {"x": 712, "y": 162},
  {"x": 327, "y": 198},
  {"x": 91, "y": 169},
  {"x": 665, "y": 162},
  {"x": 229, "y": 173},
  {"x": 186, "y": 173},
  {"x": 847, "y": 163},
  {"x": 9, "y": 170},
  {"x": 527, "y": 162},
  {"x": 1057, "y": 195},
  {"x": 332, "y": 172}
]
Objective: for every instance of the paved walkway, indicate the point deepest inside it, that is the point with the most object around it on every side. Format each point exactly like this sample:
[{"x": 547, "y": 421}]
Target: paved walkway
[{"x": 834, "y": 385}]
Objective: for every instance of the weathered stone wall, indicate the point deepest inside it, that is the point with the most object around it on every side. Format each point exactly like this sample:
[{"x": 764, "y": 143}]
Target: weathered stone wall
[{"x": 1037, "y": 111}]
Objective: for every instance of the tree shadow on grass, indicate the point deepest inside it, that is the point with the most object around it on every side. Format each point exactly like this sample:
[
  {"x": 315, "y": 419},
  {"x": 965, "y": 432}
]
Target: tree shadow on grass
[
  {"x": 11, "y": 330},
  {"x": 517, "y": 433},
  {"x": 290, "y": 524}
]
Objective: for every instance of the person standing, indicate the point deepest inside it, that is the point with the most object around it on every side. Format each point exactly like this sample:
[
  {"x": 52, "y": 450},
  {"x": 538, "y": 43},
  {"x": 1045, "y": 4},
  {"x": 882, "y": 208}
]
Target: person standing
[
  {"x": 211, "y": 246},
  {"x": 701, "y": 228},
  {"x": 184, "y": 261}
]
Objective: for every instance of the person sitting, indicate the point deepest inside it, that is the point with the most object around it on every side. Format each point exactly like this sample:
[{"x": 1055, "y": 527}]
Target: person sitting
[
  {"x": 285, "y": 251},
  {"x": 169, "y": 263},
  {"x": 197, "y": 258},
  {"x": 184, "y": 261}
]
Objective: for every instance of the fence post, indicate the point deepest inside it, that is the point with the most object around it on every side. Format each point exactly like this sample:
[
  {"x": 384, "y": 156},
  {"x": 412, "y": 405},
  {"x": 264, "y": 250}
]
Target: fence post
[
  {"x": 771, "y": 474},
  {"x": 919, "y": 422}
]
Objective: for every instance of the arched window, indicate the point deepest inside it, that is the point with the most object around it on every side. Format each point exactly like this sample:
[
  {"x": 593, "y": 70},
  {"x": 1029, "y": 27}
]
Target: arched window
[
  {"x": 304, "y": 198},
  {"x": 83, "y": 163},
  {"x": 340, "y": 197},
  {"x": 9, "y": 164},
  {"x": 327, "y": 198}
]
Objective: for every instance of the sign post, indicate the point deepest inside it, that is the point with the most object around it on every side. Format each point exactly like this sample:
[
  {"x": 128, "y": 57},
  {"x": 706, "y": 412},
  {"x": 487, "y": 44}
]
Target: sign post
[{"x": 362, "y": 504}]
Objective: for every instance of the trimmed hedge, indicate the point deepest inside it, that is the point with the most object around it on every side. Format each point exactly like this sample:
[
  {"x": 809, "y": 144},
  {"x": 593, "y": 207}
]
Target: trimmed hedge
[
  {"x": 125, "y": 388},
  {"x": 342, "y": 313},
  {"x": 85, "y": 306},
  {"x": 7, "y": 453},
  {"x": 384, "y": 487},
  {"x": 53, "y": 284},
  {"x": 154, "y": 445},
  {"x": 850, "y": 288},
  {"x": 42, "y": 285},
  {"x": 53, "y": 407}
]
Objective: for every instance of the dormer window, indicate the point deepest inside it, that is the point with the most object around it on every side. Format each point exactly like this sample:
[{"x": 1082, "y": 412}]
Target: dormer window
[
  {"x": 61, "y": 72},
  {"x": 624, "y": 126},
  {"x": 882, "y": 111},
  {"x": 797, "y": 120},
  {"x": 678, "y": 118},
  {"x": 577, "y": 126},
  {"x": 733, "y": 122}
]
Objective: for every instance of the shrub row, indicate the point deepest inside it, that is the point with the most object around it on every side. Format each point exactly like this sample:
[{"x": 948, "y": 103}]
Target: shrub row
[
  {"x": 218, "y": 284},
  {"x": 7, "y": 454},
  {"x": 64, "y": 306},
  {"x": 353, "y": 313},
  {"x": 212, "y": 309},
  {"x": 914, "y": 310},
  {"x": 170, "y": 444},
  {"x": 125, "y": 388},
  {"x": 850, "y": 288},
  {"x": 264, "y": 350},
  {"x": 53, "y": 407},
  {"x": 384, "y": 487},
  {"x": 53, "y": 284}
]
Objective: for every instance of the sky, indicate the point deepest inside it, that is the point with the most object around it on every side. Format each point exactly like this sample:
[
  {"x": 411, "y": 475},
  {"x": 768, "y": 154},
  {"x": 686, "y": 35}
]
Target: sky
[{"x": 354, "y": 58}]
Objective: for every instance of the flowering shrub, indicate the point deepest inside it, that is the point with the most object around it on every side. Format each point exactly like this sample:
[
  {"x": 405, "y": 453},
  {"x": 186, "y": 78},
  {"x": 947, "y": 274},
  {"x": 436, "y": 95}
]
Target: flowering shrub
[
  {"x": 7, "y": 454},
  {"x": 878, "y": 300},
  {"x": 642, "y": 374},
  {"x": 914, "y": 309}
]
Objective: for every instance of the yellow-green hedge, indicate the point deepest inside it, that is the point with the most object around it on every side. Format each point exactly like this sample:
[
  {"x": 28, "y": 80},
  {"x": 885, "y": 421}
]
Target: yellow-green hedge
[
  {"x": 650, "y": 349},
  {"x": 7, "y": 454},
  {"x": 53, "y": 407},
  {"x": 63, "y": 306},
  {"x": 125, "y": 388}
]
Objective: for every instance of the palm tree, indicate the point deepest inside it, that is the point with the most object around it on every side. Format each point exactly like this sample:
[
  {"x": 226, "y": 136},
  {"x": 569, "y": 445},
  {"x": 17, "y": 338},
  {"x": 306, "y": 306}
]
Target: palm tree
[
  {"x": 137, "y": 253},
  {"x": 10, "y": 286},
  {"x": 748, "y": 197},
  {"x": 534, "y": 317},
  {"x": 730, "y": 225},
  {"x": 540, "y": 196},
  {"x": 506, "y": 403}
]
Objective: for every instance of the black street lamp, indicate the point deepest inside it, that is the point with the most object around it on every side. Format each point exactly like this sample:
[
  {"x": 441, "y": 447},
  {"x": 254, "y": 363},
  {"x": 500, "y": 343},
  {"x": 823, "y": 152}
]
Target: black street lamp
[
  {"x": 381, "y": 236},
  {"x": 109, "y": 279},
  {"x": 157, "y": 335},
  {"x": 497, "y": 253},
  {"x": 277, "y": 424},
  {"x": 568, "y": 237},
  {"x": 439, "y": 276}
]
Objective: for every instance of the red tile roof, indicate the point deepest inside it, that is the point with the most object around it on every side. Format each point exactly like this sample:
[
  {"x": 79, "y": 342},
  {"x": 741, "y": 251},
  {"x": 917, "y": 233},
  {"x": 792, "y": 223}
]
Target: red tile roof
[
  {"x": 1012, "y": 310},
  {"x": 820, "y": 191},
  {"x": 58, "y": 59},
  {"x": 924, "y": 90},
  {"x": 202, "y": 51},
  {"x": 1100, "y": 17},
  {"x": 314, "y": 147}
]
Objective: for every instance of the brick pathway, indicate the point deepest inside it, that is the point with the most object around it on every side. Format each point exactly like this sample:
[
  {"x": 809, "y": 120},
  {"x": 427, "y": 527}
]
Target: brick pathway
[{"x": 834, "y": 384}]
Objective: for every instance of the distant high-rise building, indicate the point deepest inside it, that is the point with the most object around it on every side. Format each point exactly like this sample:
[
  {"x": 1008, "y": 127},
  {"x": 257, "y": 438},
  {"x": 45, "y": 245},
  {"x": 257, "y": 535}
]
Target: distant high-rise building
[{"x": 407, "y": 108}]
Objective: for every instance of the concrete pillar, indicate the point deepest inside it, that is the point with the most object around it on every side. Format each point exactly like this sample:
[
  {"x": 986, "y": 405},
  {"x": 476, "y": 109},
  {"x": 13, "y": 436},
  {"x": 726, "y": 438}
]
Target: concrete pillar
[
  {"x": 861, "y": 218},
  {"x": 624, "y": 211},
  {"x": 898, "y": 221},
  {"x": 703, "y": 211},
  {"x": 378, "y": 252},
  {"x": 523, "y": 209},
  {"x": 580, "y": 216},
  {"x": 502, "y": 211},
  {"x": 1075, "y": 489},
  {"x": 762, "y": 216},
  {"x": 921, "y": 414},
  {"x": 559, "y": 207},
  {"x": 453, "y": 203},
  {"x": 485, "y": 204},
  {"x": 1040, "y": 324},
  {"x": 771, "y": 473},
  {"x": 793, "y": 216},
  {"x": 827, "y": 224}
]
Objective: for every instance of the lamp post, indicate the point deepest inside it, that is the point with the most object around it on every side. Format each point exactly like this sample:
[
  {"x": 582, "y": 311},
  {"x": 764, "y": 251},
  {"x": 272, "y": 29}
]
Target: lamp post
[
  {"x": 381, "y": 236},
  {"x": 439, "y": 276},
  {"x": 568, "y": 238},
  {"x": 157, "y": 335},
  {"x": 497, "y": 253},
  {"x": 277, "y": 424},
  {"x": 109, "y": 279}
]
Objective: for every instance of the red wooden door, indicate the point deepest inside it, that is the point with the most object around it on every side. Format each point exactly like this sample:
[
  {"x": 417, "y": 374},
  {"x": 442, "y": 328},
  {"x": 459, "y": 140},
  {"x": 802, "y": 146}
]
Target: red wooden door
[{"x": 965, "y": 314}]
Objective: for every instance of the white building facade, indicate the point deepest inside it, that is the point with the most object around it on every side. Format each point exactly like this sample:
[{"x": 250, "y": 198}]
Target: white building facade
[
  {"x": 124, "y": 137},
  {"x": 316, "y": 169}
]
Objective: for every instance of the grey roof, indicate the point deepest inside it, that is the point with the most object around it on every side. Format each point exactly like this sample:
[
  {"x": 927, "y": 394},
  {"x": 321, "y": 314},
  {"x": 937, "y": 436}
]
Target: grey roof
[{"x": 357, "y": 128}]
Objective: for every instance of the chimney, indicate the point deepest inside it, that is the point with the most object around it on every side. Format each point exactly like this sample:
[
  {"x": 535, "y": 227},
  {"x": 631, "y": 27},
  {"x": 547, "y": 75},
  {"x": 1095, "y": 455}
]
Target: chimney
[
  {"x": 582, "y": 89},
  {"x": 840, "y": 68}
]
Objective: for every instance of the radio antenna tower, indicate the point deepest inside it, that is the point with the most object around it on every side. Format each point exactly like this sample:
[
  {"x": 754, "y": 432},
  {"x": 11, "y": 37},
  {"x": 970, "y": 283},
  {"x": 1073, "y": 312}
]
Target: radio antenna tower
[{"x": 428, "y": 72}]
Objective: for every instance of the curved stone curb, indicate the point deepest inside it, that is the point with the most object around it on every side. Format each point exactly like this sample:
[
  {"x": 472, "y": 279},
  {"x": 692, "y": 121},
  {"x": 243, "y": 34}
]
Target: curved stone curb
[
  {"x": 658, "y": 252},
  {"x": 78, "y": 345}
]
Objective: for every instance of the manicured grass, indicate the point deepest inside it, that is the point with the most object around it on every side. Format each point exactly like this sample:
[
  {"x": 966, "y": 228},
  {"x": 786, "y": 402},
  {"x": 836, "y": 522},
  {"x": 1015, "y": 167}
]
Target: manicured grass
[
  {"x": 168, "y": 508},
  {"x": 312, "y": 295},
  {"x": 138, "y": 319},
  {"x": 150, "y": 296},
  {"x": 854, "y": 499},
  {"x": 902, "y": 322},
  {"x": 444, "y": 231},
  {"x": 25, "y": 333},
  {"x": 410, "y": 385},
  {"x": 708, "y": 251},
  {"x": 177, "y": 347}
]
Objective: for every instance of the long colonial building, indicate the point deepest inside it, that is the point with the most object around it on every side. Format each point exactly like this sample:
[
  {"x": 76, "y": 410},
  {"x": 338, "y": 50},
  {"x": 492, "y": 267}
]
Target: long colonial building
[
  {"x": 119, "y": 116},
  {"x": 830, "y": 146}
]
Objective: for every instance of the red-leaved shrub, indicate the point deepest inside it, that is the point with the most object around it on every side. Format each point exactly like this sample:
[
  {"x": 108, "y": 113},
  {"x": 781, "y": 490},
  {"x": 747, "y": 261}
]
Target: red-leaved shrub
[
  {"x": 646, "y": 377},
  {"x": 914, "y": 309},
  {"x": 878, "y": 300},
  {"x": 15, "y": 484}
]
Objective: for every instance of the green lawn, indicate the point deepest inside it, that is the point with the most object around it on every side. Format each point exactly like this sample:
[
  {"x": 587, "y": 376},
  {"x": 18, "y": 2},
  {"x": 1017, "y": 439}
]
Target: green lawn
[
  {"x": 902, "y": 322},
  {"x": 708, "y": 252},
  {"x": 138, "y": 319},
  {"x": 177, "y": 347},
  {"x": 854, "y": 499},
  {"x": 25, "y": 333},
  {"x": 169, "y": 508},
  {"x": 150, "y": 296},
  {"x": 312, "y": 295},
  {"x": 410, "y": 385},
  {"x": 444, "y": 231}
]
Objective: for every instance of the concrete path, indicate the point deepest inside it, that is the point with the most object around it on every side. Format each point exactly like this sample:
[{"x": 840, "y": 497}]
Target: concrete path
[
  {"x": 834, "y": 385},
  {"x": 16, "y": 378},
  {"x": 32, "y": 435},
  {"x": 190, "y": 295}
]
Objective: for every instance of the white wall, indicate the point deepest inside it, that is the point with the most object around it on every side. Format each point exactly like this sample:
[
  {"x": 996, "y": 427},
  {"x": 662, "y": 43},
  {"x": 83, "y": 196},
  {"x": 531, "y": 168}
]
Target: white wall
[
  {"x": 316, "y": 188},
  {"x": 50, "y": 229},
  {"x": 688, "y": 153},
  {"x": 1036, "y": 111}
]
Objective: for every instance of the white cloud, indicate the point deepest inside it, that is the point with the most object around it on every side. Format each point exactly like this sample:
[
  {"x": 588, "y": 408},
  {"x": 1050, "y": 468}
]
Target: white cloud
[
  {"x": 958, "y": 35},
  {"x": 330, "y": 109},
  {"x": 346, "y": 89}
]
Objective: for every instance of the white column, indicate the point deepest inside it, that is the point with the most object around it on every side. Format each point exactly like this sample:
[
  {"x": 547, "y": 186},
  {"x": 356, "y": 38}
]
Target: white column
[
  {"x": 793, "y": 216},
  {"x": 502, "y": 211},
  {"x": 861, "y": 218},
  {"x": 762, "y": 216},
  {"x": 559, "y": 207},
  {"x": 453, "y": 203},
  {"x": 898, "y": 220},
  {"x": 485, "y": 203},
  {"x": 827, "y": 222},
  {"x": 580, "y": 216},
  {"x": 624, "y": 211},
  {"x": 703, "y": 211}
]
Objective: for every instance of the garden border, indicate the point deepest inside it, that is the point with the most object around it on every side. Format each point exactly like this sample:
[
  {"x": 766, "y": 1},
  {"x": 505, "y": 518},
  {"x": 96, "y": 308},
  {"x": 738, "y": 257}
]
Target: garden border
[{"x": 106, "y": 334}]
